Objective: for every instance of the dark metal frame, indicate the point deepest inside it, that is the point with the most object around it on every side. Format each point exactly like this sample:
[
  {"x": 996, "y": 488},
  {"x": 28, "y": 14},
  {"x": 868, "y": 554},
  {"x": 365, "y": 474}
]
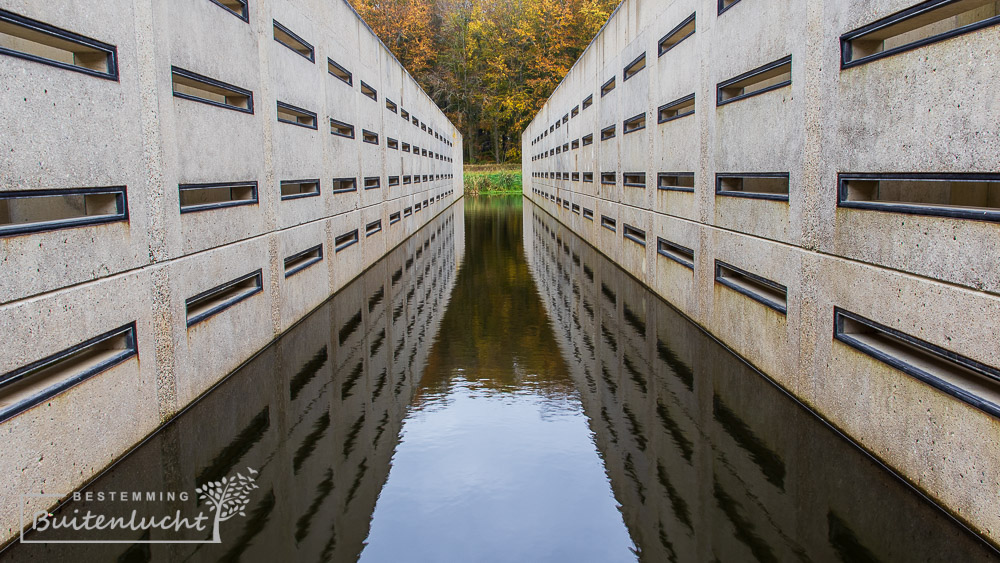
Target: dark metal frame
[
  {"x": 212, "y": 82},
  {"x": 373, "y": 96},
  {"x": 982, "y": 370},
  {"x": 345, "y": 240},
  {"x": 723, "y": 8},
  {"x": 720, "y": 266},
  {"x": 668, "y": 105},
  {"x": 587, "y": 102},
  {"x": 675, "y": 31},
  {"x": 913, "y": 11},
  {"x": 391, "y": 178},
  {"x": 110, "y": 50},
  {"x": 314, "y": 126},
  {"x": 300, "y": 195},
  {"x": 614, "y": 132},
  {"x": 319, "y": 258},
  {"x": 366, "y": 133},
  {"x": 391, "y": 143},
  {"x": 350, "y": 76},
  {"x": 210, "y": 206},
  {"x": 353, "y": 188},
  {"x": 917, "y": 209},
  {"x": 625, "y": 181},
  {"x": 395, "y": 218},
  {"x": 610, "y": 82},
  {"x": 683, "y": 250},
  {"x": 633, "y": 237},
  {"x": 752, "y": 195},
  {"x": 750, "y": 74},
  {"x": 338, "y": 122},
  {"x": 609, "y": 223},
  {"x": 121, "y": 204},
  {"x": 312, "y": 50},
  {"x": 394, "y": 108},
  {"x": 626, "y": 75},
  {"x": 378, "y": 182},
  {"x": 661, "y": 175},
  {"x": 25, "y": 372},
  {"x": 368, "y": 228},
  {"x": 256, "y": 275},
  {"x": 626, "y": 130},
  {"x": 245, "y": 16}
]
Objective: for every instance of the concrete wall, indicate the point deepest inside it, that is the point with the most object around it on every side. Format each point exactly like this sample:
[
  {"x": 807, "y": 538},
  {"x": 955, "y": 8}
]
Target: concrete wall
[
  {"x": 929, "y": 276},
  {"x": 65, "y": 129}
]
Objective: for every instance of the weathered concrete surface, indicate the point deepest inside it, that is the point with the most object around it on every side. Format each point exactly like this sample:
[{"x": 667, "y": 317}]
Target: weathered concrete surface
[
  {"x": 64, "y": 129},
  {"x": 929, "y": 109}
]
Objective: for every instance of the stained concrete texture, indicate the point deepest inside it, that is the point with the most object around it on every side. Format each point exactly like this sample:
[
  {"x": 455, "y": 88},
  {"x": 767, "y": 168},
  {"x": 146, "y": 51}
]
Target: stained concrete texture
[
  {"x": 752, "y": 186},
  {"x": 68, "y": 127}
]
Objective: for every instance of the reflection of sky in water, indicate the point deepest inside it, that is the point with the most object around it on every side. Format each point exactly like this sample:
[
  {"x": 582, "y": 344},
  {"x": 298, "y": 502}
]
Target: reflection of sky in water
[
  {"x": 496, "y": 461},
  {"x": 482, "y": 475}
]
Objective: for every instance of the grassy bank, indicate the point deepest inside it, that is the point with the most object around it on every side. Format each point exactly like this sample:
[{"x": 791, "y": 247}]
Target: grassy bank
[{"x": 492, "y": 179}]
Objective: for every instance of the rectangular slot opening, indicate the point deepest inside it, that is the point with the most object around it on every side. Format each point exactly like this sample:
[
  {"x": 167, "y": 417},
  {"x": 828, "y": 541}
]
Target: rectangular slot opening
[
  {"x": 372, "y": 183},
  {"x": 680, "y": 254},
  {"x": 576, "y": 209},
  {"x": 222, "y": 297},
  {"x": 565, "y": 204},
  {"x": 917, "y": 26},
  {"x": 962, "y": 196},
  {"x": 765, "y": 291},
  {"x": 302, "y": 260},
  {"x": 575, "y": 144},
  {"x": 726, "y": 4},
  {"x": 416, "y": 178},
  {"x": 202, "y": 197},
  {"x": 345, "y": 240},
  {"x": 675, "y": 181},
  {"x": 406, "y": 147},
  {"x": 565, "y": 147},
  {"x": 296, "y": 116},
  {"x": 588, "y": 101},
  {"x": 960, "y": 377},
  {"x": 415, "y": 121},
  {"x": 588, "y": 176},
  {"x": 191, "y": 86},
  {"x": 609, "y": 223},
  {"x": 634, "y": 67},
  {"x": 369, "y": 137},
  {"x": 607, "y": 87},
  {"x": 390, "y": 105},
  {"x": 676, "y": 109},
  {"x": 762, "y": 186},
  {"x": 633, "y": 234},
  {"x": 404, "y": 114},
  {"x": 343, "y": 185},
  {"x": 285, "y": 36},
  {"x": 575, "y": 111},
  {"x": 588, "y": 139},
  {"x": 407, "y": 211},
  {"x": 576, "y": 177},
  {"x": 634, "y": 123},
  {"x": 47, "y": 210},
  {"x": 683, "y": 30},
  {"x": 588, "y": 213},
  {"x": 237, "y": 7},
  {"x": 294, "y": 189},
  {"x": 373, "y": 227},
  {"x": 369, "y": 91},
  {"x": 392, "y": 143},
  {"x": 340, "y": 72},
  {"x": 759, "y": 80},
  {"x": 393, "y": 181},
  {"x": 608, "y": 133},
  {"x": 608, "y": 178},
  {"x": 407, "y": 179},
  {"x": 394, "y": 218},
  {"x": 341, "y": 129},
  {"x": 38, "y": 381},
  {"x": 33, "y": 40},
  {"x": 634, "y": 179}
]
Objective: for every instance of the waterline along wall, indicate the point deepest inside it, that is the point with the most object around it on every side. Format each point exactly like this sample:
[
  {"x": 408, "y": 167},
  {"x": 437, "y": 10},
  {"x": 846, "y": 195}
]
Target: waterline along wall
[
  {"x": 181, "y": 182},
  {"x": 816, "y": 184}
]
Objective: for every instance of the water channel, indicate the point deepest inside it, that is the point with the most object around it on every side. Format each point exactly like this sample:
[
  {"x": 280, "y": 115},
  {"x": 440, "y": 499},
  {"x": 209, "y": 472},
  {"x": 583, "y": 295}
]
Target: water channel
[{"x": 496, "y": 390}]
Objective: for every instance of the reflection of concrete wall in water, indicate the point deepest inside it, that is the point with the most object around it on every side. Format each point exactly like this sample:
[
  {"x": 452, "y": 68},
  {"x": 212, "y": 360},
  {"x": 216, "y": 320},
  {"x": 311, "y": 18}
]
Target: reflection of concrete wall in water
[
  {"x": 708, "y": 459},
  {"x": 120, "y": 201},
  {"x": 869, "y": 185},
  {"x": 318, "y": 414}
]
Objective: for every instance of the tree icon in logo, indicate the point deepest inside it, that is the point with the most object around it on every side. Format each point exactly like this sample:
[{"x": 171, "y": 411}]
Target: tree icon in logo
[{"x": 228, "y": 497}]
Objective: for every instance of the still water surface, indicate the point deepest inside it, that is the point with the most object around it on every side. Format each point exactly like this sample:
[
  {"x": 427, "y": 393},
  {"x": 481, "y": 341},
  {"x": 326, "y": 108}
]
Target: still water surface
[{"x": 496, "y": 390}]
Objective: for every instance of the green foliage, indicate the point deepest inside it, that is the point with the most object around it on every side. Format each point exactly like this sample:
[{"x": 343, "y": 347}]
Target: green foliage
[
  {"x": 491, "y": 64},
  {"x": 497, "y": 181}
]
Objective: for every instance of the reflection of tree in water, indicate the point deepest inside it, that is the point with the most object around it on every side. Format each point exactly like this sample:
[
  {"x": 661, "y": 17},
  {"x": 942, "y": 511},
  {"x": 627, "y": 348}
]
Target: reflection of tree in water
[{"x": 497, "y": 338}]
